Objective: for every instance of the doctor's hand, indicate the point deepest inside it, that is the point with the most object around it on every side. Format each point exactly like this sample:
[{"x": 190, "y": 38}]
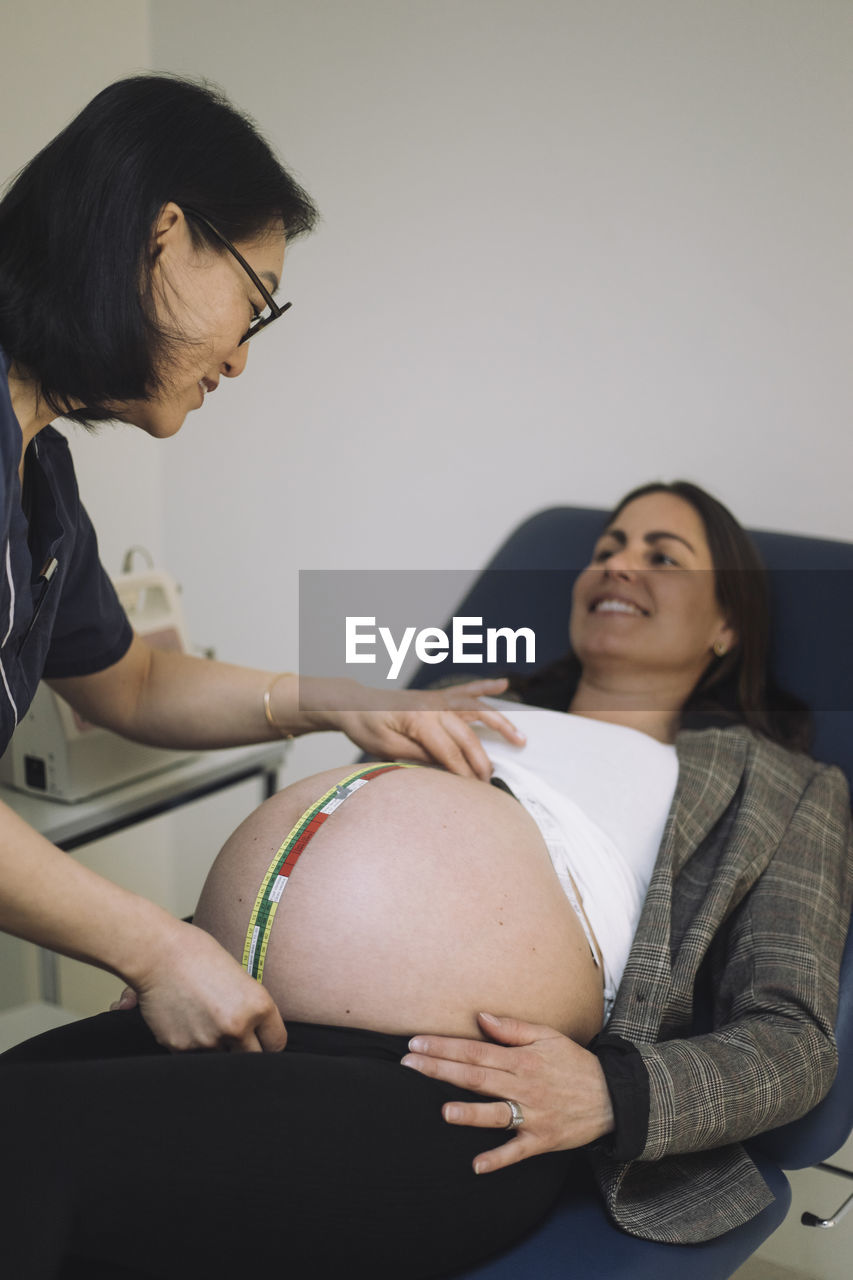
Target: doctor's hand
[
  {"x": 194, "y": 995},
  {"x": 432, "y": 726},
  {"x": 558, "y": 1085}
]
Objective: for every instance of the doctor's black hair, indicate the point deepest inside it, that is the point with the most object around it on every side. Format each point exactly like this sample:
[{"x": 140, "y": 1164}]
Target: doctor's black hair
[
  {"x": 76, "y": 225},
  {"x": 738, "y": 688}
]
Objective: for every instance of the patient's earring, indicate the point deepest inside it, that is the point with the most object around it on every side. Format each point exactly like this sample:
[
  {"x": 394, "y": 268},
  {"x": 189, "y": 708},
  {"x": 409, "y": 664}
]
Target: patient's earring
[{"x": 720, "y": 648}]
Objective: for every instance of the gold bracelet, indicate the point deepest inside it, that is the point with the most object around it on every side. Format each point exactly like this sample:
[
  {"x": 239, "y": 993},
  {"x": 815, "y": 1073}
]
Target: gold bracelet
[{"x": 270, "y": 718}]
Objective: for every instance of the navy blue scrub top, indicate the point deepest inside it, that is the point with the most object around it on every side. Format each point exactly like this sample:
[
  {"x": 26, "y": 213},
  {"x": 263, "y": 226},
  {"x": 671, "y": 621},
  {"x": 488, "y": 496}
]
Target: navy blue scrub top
[{"x": 71, "y": 624}]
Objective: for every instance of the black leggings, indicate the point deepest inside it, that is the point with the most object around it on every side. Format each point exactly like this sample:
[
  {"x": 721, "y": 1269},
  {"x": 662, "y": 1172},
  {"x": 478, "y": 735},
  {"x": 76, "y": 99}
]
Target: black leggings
[{"x": 118, "y": 1159}]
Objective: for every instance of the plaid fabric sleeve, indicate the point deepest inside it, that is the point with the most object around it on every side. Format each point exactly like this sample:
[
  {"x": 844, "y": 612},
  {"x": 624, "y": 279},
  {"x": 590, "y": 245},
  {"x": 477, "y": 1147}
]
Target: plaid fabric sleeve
[{"x": 772, "y": 1055}]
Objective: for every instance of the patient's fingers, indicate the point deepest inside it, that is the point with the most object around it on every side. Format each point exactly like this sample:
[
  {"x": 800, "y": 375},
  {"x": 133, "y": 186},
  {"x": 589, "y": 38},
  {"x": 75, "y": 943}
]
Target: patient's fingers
[
  {"x": 559, "y": 1086},
  {"x": 483, "y": 1076},
  {"x": 478, "y": 1115}
]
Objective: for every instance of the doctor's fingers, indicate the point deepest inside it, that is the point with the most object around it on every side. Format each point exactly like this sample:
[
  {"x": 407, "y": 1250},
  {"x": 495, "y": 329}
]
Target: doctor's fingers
[
  {"x": 436, "y": 736},
  {"x": 270, "y": 1034},
  {"x": 127, "y": 1000},
  {"x": 448, "y": 740},
  {"x": 248, "y": 1044},
  {"x": 473, "y": 710}
]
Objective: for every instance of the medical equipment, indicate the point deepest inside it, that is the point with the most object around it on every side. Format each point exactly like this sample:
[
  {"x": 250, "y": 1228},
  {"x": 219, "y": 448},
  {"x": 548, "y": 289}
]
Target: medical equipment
[{"x": 55, "y": 753}]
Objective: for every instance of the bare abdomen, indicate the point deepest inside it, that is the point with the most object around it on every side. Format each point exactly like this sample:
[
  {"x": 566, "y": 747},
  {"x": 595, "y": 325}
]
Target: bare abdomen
[{"x": 423, "y": 899}]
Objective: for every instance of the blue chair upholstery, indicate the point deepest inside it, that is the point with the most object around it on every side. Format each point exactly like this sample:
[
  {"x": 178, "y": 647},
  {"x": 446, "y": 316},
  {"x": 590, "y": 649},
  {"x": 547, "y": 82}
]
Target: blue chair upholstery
[{"x": 528, "y": 583}]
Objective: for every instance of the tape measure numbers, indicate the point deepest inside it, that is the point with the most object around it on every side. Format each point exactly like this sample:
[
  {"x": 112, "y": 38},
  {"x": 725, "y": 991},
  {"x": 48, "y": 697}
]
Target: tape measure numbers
[{"x": 274, "y": 882}]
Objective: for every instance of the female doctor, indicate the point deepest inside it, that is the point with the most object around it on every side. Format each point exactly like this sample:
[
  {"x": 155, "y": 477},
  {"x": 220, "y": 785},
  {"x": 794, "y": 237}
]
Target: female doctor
[{"x": 139, "y": 253}]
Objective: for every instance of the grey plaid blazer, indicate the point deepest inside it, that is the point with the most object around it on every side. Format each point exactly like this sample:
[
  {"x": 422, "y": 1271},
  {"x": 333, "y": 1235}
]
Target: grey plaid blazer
[{"x": 754, "y": 877}]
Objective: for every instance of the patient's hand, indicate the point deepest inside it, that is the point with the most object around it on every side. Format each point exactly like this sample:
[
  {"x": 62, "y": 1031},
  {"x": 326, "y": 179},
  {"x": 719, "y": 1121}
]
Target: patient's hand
[
  {"x": 431, "y": 726},
  {"x": 193, "y": 995},
  {"x": 559, "y": 1086}
]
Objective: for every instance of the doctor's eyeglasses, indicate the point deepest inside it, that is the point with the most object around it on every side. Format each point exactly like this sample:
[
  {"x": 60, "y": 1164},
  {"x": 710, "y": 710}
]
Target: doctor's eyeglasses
[{"x": 272, "y": 310}]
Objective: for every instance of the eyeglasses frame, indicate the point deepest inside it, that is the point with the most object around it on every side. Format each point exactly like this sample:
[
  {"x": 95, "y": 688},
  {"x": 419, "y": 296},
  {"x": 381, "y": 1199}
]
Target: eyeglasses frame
[{"x": 260, "y": 322}]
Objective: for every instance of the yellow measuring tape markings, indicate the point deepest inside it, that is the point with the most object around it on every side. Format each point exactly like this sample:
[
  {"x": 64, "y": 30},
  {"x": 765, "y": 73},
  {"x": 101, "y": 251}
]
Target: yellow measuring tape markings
[{"x": 274, "y": 882}]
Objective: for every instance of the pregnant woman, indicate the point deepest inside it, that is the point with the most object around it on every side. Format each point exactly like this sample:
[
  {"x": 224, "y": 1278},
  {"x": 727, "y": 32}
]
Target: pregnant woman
[{"x": 481, "y": 934}]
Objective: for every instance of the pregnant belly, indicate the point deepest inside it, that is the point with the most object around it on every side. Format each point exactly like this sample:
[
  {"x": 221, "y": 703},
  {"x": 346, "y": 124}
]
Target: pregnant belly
[{"x": 423, "y": 899}]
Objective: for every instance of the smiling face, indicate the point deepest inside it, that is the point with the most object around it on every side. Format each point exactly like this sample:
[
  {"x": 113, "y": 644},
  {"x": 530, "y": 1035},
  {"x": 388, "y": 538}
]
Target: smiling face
[
  {"x": 644, "y": 611},
  {"x": 204, "y": 296}
]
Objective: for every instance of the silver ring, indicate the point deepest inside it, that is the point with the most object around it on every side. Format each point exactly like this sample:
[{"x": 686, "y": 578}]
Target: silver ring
[{"x": 517, "y": 1115}]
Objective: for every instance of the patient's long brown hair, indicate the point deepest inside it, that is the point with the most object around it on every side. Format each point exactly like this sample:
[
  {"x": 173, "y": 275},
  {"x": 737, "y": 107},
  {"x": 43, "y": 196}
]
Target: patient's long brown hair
[{"x": 738, "y": 688}]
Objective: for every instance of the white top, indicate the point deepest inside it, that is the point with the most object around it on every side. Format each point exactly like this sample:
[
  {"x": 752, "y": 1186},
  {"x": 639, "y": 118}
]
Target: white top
[{"x": 600, "y": 794}]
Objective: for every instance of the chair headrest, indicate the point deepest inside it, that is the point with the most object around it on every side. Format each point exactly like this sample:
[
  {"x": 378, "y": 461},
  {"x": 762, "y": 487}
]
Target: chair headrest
[{"x": 811, "y": 588}]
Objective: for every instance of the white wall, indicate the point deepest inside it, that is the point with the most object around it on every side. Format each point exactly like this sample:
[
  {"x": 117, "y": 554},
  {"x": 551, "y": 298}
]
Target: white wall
[{"x": 55, "y": 55}]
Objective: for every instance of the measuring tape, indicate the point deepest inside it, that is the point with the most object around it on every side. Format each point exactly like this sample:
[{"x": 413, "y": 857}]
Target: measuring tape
[{"x": 274, "y": 882}]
